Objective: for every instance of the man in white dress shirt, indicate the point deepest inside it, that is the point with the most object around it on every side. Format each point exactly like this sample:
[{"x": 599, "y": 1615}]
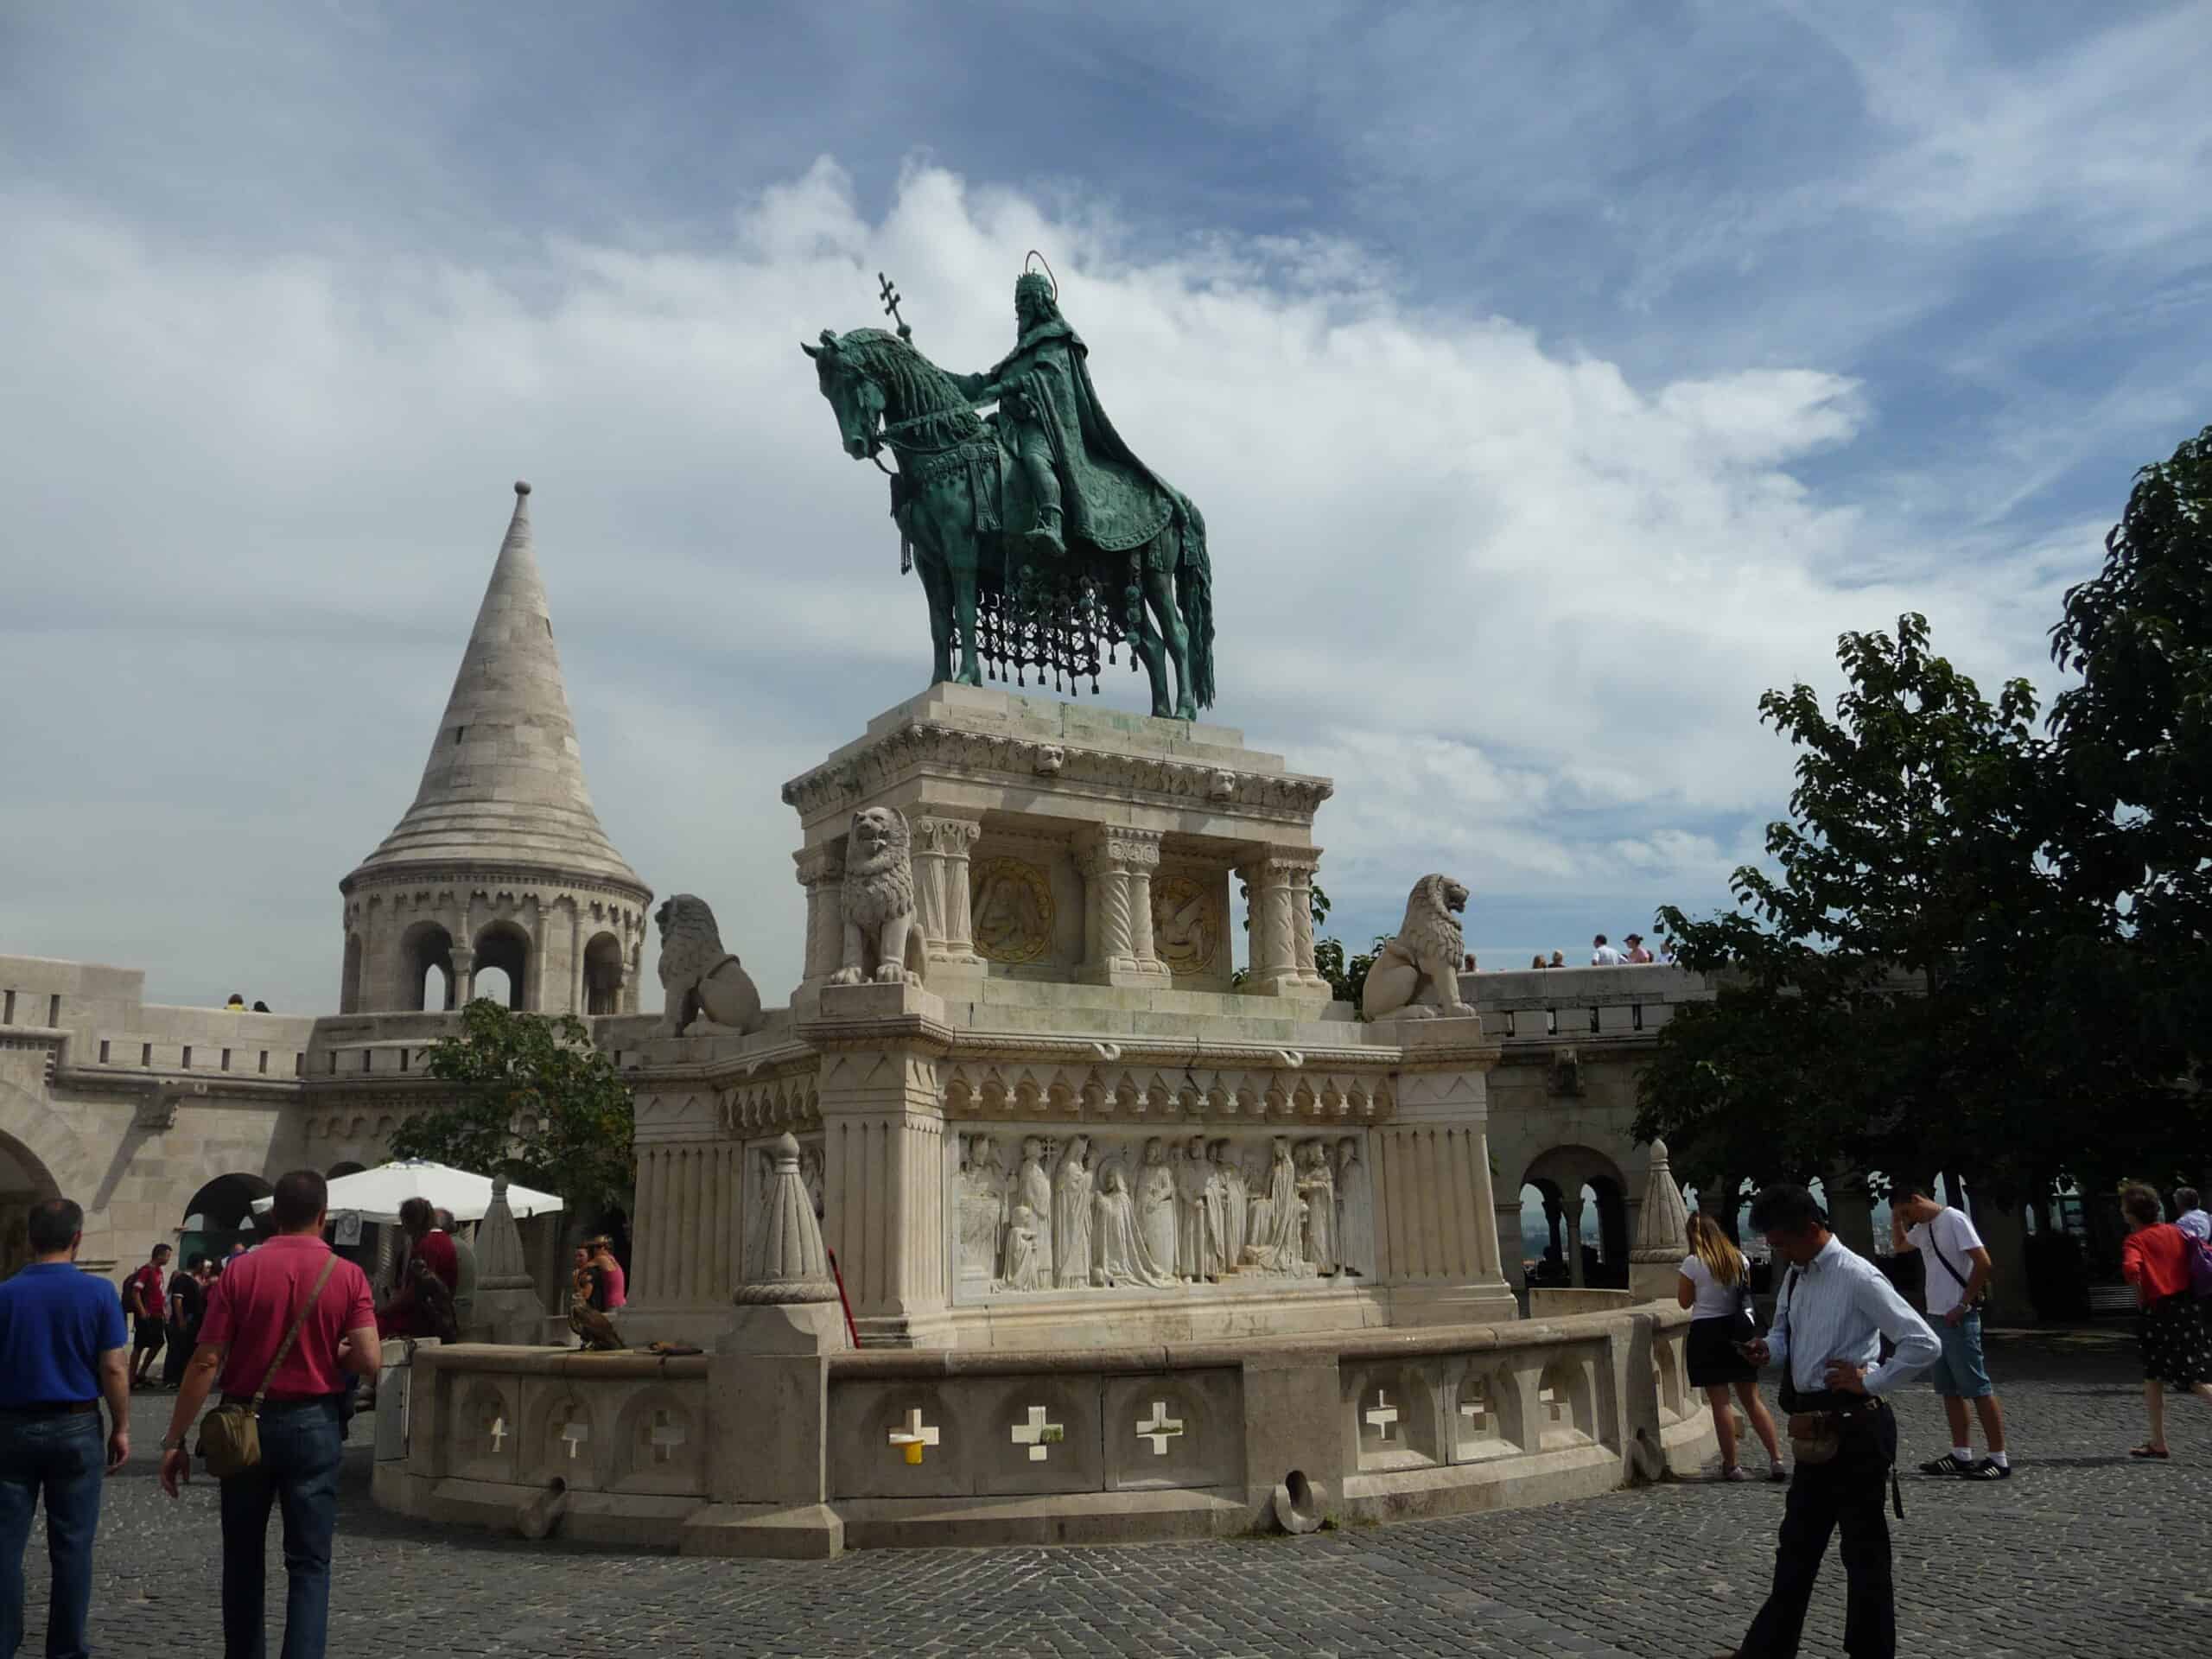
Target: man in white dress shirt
[{"x": 1833, "y": 1309}]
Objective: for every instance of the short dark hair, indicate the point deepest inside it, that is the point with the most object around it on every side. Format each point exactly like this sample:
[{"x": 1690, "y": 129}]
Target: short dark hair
[
  {"x": 2187, "y": 1198},
  {"x": 1916, "y": 1190},
  {"x": 1600, "y": 939},
  {"x": 2140, "y": 1203},
  {"x": 54, "y": 1223},
  {"x": 158, "y": 1251},
  {"x": 198, "y": 1263},
  {"x": 300, "y": 1195},
  {"x": 416, "y": 1213},
  {"x": 445, "y": 1222},
  {"x": 1786, "y": 1207}
]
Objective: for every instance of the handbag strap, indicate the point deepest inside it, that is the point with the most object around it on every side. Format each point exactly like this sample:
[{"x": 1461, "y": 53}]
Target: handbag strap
[
  {"x": 1936, "y": 1250},
  {"x": 284, "y": 1348}
]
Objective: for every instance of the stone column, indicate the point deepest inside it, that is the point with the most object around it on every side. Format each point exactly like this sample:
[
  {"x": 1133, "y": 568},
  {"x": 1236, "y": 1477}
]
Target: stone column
[
  {"x": 1271, "y": 936},
  {"x": 1116, "y": 867},
  {"x": 1297, "y": 871},
  {"x": 822, "y": 873},
  {"x": 883, "y": 1158},
  {"x": 1571, "y": 1209},
  {"x": 1437, "y": 1222},
  {"x": 464, "y": 975},
  {"x": 2005, "y": 1233},
  {"x": 577, "y": 1002},
  {"x": 941, "y": 850},
  {"x": 1851, "y": 1211}
]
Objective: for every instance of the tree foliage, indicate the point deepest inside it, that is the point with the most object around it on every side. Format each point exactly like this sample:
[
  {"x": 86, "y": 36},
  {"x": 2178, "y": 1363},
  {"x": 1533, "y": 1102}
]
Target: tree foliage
[
  {"x": 1887, "y": 984},
  {"x": 535, "y": 1098}
]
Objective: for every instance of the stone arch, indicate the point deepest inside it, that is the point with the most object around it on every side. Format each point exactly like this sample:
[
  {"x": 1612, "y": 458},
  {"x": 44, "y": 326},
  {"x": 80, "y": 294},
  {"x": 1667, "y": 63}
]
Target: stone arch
[
  {"x": 1560, "y": 1174},
  {"x": 603, "y": 973},
  {"x": 658, "y": 1446},
  {"x": 344, "y": 1166},
  {"x": 220, "y": 1214},
  {"x": 504, "y": 947},
  {"x": 1567, "y": 1404},
  {"x": 349, "y": 981},
  {"x": 25, "y": 1182},
  {"x": 425, "y": 949}
]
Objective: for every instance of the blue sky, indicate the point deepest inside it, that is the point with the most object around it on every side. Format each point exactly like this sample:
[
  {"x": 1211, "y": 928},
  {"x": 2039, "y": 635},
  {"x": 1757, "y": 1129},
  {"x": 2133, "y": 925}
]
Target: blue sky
[{"x": 1554, "y": 380}]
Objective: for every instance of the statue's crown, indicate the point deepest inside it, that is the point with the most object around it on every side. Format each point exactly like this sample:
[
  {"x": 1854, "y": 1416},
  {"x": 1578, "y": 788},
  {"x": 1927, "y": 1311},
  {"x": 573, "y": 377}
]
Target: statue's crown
[{"x": 1032, "y": 282}]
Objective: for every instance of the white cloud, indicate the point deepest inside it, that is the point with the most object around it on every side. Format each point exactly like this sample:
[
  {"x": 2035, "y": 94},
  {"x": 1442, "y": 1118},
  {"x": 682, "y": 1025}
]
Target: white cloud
[{"x": 1519, "y": 605}]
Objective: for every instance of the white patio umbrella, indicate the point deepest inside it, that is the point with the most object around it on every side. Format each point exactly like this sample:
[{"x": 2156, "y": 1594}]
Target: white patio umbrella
[{"x": 376, "y": 1194}]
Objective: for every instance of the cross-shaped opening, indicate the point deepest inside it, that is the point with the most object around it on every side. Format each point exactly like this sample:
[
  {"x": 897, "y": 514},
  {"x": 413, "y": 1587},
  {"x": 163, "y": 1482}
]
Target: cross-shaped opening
[
  {"x": 665, "y": 1436},
  {"x": 1161, "y": 1429},
  {"x": 575, "y": 1432},
  {"x": 914, "y": 1434},
  {"x": 1554, "y": 1401},
  {"x": 1037, "y": 1434},
  {"x": 1382, "y": 1415},
  {"x": 495, "y": 1429},
  {"x": 1474, "y": 1406}
]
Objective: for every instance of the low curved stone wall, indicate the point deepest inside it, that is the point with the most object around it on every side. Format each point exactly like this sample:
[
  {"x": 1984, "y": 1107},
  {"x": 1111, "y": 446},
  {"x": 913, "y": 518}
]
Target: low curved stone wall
[{"x": 806, "y": 1455}]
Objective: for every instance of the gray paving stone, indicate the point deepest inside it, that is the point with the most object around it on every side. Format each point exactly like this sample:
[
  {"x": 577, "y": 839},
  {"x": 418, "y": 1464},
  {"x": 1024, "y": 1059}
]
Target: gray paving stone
[{"x": 2079, "y": 1556}]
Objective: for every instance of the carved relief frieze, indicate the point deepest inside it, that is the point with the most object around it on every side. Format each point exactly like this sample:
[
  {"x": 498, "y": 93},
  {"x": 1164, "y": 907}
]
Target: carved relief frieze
[
  {"x": 978, "y": 1087},
  {"x": 1011, "y": 911},
  {"x": 854, "y": 777},
  {"x": 1038, "y": 1208},
  {"x": 1186, "y": 922}
]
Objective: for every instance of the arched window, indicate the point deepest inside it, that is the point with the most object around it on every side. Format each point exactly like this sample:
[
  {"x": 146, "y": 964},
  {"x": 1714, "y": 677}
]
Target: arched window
[
  {"x": 503, "y": 950},
  {"x": 349, "y": 985},
  {"x": 427, "y": 950},
  {"x": 24, "y": 1181},
  {"x": 603, "y": 975},
  {"x": 220, "y": 1214}
]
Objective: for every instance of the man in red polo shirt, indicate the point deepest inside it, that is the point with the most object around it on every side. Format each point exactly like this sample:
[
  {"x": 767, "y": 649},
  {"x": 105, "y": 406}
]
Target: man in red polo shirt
[
  {"x": 249, "y": 1310},
  {"x": 143, "y": 1300}
]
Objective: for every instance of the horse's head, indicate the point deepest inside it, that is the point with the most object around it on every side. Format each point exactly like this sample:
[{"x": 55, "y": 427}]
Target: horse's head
[{"x": 852, "y": 392}]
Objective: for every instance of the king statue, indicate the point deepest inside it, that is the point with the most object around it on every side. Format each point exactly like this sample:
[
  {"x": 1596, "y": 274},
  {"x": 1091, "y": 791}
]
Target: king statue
[{"x": 1071, "y": 468}]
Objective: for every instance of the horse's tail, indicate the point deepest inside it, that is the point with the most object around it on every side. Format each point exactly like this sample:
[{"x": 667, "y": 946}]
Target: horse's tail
[{"x": 1194, "y": 598}]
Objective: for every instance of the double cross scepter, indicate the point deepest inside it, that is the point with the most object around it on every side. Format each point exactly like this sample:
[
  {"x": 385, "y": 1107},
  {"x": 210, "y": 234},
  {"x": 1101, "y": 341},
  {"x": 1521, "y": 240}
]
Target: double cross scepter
[{"x": 889, "y": 296}]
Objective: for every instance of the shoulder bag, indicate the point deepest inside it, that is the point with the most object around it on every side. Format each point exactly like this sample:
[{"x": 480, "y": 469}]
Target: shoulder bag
[
  {"x": 1936, "y": 1250},
  {"x": 230, "y": 1435}
]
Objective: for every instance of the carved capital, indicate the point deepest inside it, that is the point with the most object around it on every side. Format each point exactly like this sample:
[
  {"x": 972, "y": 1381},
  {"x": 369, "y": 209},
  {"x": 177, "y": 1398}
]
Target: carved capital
[
  {"x": 818, "y": 865},
  {"x": 946, "y": 837}
]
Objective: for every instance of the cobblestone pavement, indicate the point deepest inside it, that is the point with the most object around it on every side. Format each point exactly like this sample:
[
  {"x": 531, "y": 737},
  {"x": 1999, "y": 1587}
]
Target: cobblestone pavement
[{"x": 2082, "y": 1553}]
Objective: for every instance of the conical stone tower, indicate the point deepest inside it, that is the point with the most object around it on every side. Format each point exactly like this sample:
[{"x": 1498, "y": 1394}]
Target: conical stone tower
[{"x": 500, "y": 862}]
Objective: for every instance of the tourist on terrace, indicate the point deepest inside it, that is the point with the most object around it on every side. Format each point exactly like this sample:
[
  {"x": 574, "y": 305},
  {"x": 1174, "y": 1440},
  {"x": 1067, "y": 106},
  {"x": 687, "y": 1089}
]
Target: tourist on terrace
[
  {"x": 145, "y": 1299},
  {"x": 1957, "y": 1266},
  {"x": 610, "y": 1272},
  {"x": 1603, "y": 954},
  {"x": 2189, "y": 1213},
  {"x": 1833, "y": 1310},
  {"x": 2170, "y": 1329},
  {"x": 62, "y": 1351},
  {"x": 288, "y": 1329},
  {"x": 1559, "y": 959},
  {"x": 1715, "y": 1284},
  {"x": 1540, "y": 962},
  {"x": 433, "y": 1246},
  {"x": 1636, "y": 953}
]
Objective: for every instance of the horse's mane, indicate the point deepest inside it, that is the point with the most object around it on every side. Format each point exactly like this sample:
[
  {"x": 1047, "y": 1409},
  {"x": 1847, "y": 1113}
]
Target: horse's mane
[{"x": 915, "y": 382}]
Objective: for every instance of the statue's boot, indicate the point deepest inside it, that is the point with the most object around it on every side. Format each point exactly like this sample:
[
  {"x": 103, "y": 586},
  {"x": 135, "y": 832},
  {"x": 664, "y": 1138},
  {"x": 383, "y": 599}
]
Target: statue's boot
[{"x": 1044, "y": 536}]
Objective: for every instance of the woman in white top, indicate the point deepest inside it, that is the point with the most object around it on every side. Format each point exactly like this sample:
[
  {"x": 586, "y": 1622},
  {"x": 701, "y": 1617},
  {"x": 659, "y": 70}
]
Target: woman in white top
[{"x": 1715, "y": 1285}]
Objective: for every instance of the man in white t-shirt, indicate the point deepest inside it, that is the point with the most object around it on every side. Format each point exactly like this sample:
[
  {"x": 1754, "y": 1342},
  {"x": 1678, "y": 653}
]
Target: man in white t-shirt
[
  {"x": 1603, "y": 954},
  {"x": 1958, "y": 1269}
]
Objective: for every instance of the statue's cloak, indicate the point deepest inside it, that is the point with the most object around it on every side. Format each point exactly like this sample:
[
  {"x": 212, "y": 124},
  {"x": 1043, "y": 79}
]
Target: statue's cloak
[{"x": 1110, "y": 499}]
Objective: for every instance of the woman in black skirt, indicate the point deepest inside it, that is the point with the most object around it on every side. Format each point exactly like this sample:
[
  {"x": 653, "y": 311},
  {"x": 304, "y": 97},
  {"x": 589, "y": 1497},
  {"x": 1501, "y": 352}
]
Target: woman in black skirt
[
  {"x": 2170, "y": 1328},
  {"x": 1716, "y": 1285}
]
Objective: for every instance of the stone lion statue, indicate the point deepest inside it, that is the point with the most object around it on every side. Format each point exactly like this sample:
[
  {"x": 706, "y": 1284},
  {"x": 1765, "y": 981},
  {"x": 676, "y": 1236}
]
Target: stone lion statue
[
  {"x": 1416, "y": 975},
  {"x": 699, "y": 977},
  {"x": 881, "y": 942}
]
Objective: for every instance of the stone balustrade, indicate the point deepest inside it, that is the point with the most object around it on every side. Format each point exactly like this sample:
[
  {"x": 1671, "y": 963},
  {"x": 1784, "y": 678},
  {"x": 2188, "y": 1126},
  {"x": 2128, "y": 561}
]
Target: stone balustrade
[{"x": 958, "y": 1446}]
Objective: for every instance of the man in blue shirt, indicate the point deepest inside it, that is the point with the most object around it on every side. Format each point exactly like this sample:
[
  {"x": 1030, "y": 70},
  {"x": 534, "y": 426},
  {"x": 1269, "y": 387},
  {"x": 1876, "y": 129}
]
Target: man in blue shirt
[
  {"x": 1833, "y": 1309},
  {"x": 63, "y": 1349}
]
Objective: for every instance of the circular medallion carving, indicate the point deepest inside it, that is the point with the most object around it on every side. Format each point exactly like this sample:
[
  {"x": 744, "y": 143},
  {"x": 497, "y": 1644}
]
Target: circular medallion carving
[
  {"x": 1186, "y": 927},
  {"x": 1010, "y": 910}
]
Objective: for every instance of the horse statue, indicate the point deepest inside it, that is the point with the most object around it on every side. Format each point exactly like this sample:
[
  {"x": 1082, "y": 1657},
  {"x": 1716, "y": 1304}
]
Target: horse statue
[{"x": 1041, "y": 540}]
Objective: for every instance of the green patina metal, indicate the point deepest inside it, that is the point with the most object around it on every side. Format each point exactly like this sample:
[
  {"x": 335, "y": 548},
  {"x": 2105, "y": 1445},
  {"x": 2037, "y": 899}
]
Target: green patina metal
[{"x": 1044, "y": 544}]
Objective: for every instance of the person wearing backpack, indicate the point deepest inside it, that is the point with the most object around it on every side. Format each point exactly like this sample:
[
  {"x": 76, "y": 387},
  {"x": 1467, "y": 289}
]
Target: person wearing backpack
[
  {"x": 1958, "y": 1268},
  {"x": 287, "y": 1329},
  {"x": 2169, "y": 1326}
]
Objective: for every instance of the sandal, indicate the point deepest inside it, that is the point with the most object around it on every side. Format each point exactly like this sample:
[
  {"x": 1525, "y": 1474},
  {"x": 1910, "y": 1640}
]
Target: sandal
[
  {"x": 2158, "y": 1451},
  {"x": 1735, "y": 1472}
]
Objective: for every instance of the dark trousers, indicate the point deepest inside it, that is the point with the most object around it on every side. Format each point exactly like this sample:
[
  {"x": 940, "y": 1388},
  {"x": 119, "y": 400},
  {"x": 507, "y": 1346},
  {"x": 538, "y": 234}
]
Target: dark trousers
[
  {"x": 63, "y": 1459},
  {"x": 1845, "y": 1494},
  {"x": 302, "y": 1444}
]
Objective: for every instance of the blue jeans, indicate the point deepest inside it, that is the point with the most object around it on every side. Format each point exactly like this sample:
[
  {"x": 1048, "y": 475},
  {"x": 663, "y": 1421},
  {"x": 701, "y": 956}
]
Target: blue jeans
[
  {"x": 64, "y": 1457},
  {"x": 302, "y": 1444}
]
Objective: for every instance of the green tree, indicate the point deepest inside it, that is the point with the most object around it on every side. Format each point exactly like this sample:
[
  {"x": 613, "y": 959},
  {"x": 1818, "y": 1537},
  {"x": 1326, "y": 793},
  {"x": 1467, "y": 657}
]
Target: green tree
[
  {"x": 2135, "y": 739},
  {"x": 533, "y": 1097},
  {"x": 1883, "y": 982}
]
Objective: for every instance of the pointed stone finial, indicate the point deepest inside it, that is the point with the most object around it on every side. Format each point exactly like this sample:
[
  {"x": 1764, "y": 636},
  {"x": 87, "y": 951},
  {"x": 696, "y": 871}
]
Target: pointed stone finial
[
  {"x": 793, "y": 1266},
  {"x": 1663, "y": 1230},
  {"x": 499, "y": 1264}
]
